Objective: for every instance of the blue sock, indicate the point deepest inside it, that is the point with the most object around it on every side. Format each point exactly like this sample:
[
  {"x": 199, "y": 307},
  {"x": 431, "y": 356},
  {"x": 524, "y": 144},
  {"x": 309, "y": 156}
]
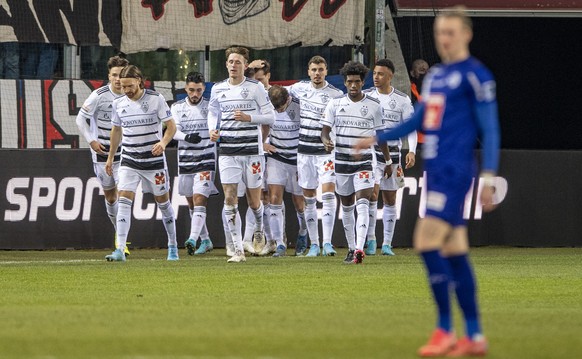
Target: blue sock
[
  {"x": 439, "y": 279},
  {"x": 466, "y": 292}
]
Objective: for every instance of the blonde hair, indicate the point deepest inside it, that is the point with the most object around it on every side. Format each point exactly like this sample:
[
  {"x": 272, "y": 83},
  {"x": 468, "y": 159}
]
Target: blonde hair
[{"x": 457, "y": 12}]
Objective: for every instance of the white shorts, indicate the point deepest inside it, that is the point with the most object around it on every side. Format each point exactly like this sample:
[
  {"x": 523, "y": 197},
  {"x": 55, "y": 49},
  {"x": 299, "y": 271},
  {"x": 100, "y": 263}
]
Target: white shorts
[
  {"x": 392, "y": 183},
  {"x": 315, "y": 170},
  {"x": 283, "y": 174},
  {"x": 156, "y": 182},
  {"x": 348, "y": 184},
  {"x": 107, "y": 182},
  {"x": 249, "y": 170},
  {"x": 197, "y": 183}
]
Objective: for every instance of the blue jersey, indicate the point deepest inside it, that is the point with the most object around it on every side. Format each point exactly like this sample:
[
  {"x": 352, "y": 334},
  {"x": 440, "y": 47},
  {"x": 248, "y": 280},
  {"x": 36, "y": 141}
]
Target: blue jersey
[
  {"x": 450, "y": 124},
  {"x": 458, "y": 106}
]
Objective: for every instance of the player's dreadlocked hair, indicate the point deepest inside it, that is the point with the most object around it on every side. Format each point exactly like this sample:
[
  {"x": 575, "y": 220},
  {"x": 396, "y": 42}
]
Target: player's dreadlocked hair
[
  {"x": 354, "y": 68},
  {"x": 133, "y": 72}
]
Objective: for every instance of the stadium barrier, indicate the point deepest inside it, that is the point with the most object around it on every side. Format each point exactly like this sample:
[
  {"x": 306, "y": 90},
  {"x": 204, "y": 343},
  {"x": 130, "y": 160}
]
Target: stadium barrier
[{"x": 50, "y": 199}]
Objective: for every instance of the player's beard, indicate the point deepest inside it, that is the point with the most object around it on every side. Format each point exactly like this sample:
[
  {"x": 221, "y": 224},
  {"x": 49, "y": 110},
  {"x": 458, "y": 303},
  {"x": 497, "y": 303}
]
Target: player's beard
[{"x": 195, "y": 101}]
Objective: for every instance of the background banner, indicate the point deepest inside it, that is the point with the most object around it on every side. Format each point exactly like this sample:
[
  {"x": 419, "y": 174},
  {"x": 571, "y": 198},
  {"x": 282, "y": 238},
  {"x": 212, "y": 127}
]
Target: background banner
[
  {"x": 260, "y": 24},
  {"x": 78, "y": 22},
  {"x": 51, "y": 199}
]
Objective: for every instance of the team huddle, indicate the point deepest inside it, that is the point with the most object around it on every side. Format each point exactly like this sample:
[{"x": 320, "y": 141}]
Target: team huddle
[
  {"x": 257, "y": 135},
  {"x": 267, "y": 140}
]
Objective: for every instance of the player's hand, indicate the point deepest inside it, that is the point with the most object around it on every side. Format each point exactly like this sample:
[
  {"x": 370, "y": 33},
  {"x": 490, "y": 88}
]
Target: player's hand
[
  {"x": 328, "y": 145},
  {"x": 214, "y": 135},
  {"x": 257, "y": 64},
  {"x": 241, "y": 116},
  {"x": 387, "y": 171},
  {"x": 410, "y": 160},
  {"x": 109, "y": 168},
  {"x": 487, "y": 193},
  {"x": 158, "y": 149},
  {"x": 362, "y": 144},
  {"x": 269, "y": 148},
  {"x": 98, "y": 147},
  {"x": 193, "y": 138}
]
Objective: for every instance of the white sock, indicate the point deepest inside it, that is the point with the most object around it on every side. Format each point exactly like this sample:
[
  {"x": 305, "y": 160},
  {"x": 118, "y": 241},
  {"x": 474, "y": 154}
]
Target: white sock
[
  {"x": 372, "y": 224},
  {"x": 267, "y": 222},
  {"x": 123, "y": 221},
  {"x": 329, "y": 212},
  {"x": 198, "y": 221},
  {"x": 227, "y": 236},
  {"x": 389, "y": 221},
  {"x": 349, "y": 223},
  {"x": 249, "y": 225},
  {"x": 312, "y": 220},
  {"x": 258, "y": 214},
  {"x": 234, "y": 225},
  {"x": 276, "y": 219},
  {"x": 112, "y": 209},
  {"x": 363, "y": 209},
  {"x": 169, "y": 222},
  {"x": 302, "y": 223},
  {"x": 204, "y": 232}
]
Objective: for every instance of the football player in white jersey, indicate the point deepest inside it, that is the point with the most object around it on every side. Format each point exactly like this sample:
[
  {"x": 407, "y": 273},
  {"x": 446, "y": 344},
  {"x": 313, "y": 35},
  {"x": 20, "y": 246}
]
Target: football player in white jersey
[
  {"x": 396, "y": 108},
  {"x": 352, "y": 117},
  {"x": 317, "y": 165},
  {"x": 283, "y": 138},
  {"x": 237, "y": 109},
  {"x": 259, "y": 70},
  {"x": 137, "y": 121},
  {"x": 94, "y": 122},
  {"x": 196, "y": 159}
]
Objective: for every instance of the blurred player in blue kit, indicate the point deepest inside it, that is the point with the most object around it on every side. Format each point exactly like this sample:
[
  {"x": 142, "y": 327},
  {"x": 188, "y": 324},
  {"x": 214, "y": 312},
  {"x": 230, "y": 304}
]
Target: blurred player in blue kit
[{"x": 458, "y": 106}]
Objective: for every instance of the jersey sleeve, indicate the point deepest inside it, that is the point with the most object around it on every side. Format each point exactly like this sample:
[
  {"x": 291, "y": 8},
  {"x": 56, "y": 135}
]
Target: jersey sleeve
[
  {"x": 176, "y": 118},
  {"x": 263, "y": 101},
  {"x": 485, "y": 108},
  {"x": 328, "y": 118},
  {"x": 115, "y": 120},
  {"x": 213, "y": 110},
  {"x": 164, "y": 113},
  {"x": 90, "y": 105}
]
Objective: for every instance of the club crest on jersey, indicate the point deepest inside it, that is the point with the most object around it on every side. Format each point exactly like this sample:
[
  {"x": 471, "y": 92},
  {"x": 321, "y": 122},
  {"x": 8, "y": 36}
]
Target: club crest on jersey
[
  {"x": 364, "y": 110},
  {"x": 328, "y": 165},
  {"x": 256, "y": 167},
  {"x": 291, "y": 114},
  {"x": 392, "y": 104},
  {"x": 160, "y": 178},
  {"x": 205, "y": 176},
  {"x": 324, "y": 97},
  {"x": 454, "y": 79},
  {"x": 204, "y": 112},
  {"x": 145, "y": 107},
  {"x": 244, "y": 93}
]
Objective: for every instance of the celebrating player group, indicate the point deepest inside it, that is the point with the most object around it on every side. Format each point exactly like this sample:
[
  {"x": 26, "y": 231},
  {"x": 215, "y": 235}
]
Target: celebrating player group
[{"x": 257, "y": 136}]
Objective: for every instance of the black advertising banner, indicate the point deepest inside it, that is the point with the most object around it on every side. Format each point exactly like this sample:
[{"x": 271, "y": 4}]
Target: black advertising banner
[
  {"x": 79, "y": 22},
  {"x": 50, "y": 199}
]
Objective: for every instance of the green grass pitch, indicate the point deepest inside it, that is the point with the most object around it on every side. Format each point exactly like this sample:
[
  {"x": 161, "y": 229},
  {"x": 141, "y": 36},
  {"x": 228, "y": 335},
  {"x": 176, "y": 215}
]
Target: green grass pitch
[{"x": 73, "y": 304}]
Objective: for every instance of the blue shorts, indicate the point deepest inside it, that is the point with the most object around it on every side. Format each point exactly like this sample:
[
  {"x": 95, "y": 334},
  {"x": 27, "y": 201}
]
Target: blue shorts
[{"x": 446, "y": 191}]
